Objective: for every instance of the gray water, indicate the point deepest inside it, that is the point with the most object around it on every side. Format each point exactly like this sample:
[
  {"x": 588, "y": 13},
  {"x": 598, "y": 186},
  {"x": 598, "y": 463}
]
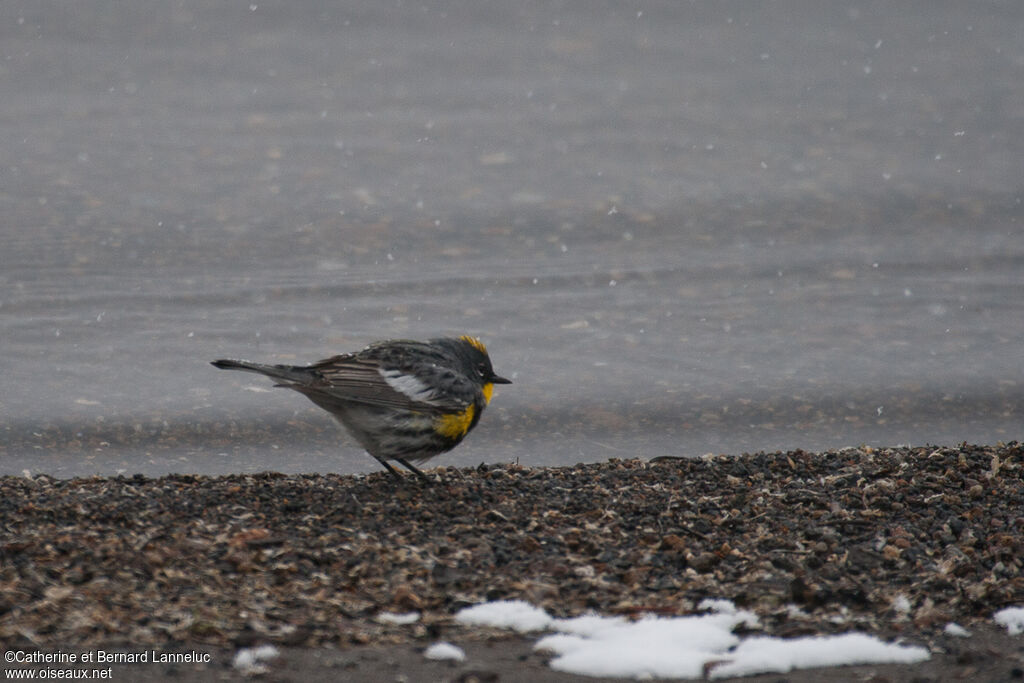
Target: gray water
[{"x": 680, "y": 228}]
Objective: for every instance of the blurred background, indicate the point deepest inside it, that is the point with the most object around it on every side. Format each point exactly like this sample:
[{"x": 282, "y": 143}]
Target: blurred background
[{"x": 679, "y": 227}]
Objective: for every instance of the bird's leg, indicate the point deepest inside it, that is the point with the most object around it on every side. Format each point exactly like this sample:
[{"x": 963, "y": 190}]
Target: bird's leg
[
  {"x": 389, "y": 468},
  {"x": 407, "y": 465}
]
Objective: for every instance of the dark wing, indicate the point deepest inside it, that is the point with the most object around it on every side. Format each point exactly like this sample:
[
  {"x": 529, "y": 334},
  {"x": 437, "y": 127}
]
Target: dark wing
[{"x": 366, "y": 380}]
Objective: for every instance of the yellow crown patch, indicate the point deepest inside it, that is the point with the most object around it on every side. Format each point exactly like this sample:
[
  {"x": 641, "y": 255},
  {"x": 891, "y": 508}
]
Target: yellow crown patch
[{"x": 475, "y": 343}]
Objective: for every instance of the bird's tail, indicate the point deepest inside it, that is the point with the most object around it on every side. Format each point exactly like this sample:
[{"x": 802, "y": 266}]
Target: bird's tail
[{"x": 287, "y": 374}]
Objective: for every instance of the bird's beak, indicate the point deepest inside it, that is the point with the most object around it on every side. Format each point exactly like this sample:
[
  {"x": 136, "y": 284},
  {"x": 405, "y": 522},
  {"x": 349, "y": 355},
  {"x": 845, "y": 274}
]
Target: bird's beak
[{"x": 500, "y": 380}]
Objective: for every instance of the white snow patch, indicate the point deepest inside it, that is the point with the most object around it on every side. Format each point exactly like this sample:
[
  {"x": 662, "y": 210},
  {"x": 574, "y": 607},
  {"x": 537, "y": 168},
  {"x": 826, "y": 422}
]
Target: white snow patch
[
  {"x": 1012, "y": 618},
  {"x": 445, "y": 651},
  {"x": 252, "y": 660},
  {"x": 520, "y": 616},
  {"x": 795, "y": 612},
  {"x": 398, "y": 619},
  {"x": 957, "y": 630},
  {"x": 653, "y": 647},
  {"x": 901, "y": 604},
  {"x": 680, "y": 647},
  {"x": 776, "y": 655}
]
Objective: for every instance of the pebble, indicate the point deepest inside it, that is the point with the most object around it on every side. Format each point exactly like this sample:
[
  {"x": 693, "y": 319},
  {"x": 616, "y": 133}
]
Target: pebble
[{"x": 811, "y": 542}]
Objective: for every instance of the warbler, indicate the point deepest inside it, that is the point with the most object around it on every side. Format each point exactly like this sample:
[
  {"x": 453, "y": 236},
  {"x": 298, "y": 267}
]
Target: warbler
[{"x": 402, "y": 400}]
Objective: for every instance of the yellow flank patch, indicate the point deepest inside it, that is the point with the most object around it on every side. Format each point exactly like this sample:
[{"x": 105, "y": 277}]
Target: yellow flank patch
[
  {"x": 456, "y": 425},
  {"x": 488, "y": 389},
  {"x": 475, "y": 343}
]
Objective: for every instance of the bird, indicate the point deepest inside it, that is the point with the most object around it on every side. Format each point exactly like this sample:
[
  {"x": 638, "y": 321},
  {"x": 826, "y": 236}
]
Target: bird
[{"x": 402, "y": 400}]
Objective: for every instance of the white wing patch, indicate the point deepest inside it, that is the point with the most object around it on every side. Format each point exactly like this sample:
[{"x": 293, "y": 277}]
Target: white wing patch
[{"x": 408, "y": 385}]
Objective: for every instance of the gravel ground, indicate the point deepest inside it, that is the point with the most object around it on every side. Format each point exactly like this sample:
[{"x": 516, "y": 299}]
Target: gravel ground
[{"x": 897, "y": 542}]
